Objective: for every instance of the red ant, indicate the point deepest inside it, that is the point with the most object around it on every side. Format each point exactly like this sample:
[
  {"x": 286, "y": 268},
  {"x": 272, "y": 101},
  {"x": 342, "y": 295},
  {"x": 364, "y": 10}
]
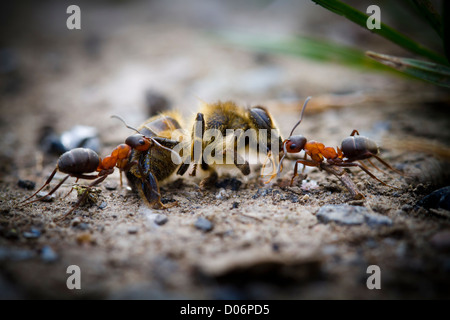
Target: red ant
[
  {"x": 353, "y": 148},
  {"x": 79, "y": 162}
]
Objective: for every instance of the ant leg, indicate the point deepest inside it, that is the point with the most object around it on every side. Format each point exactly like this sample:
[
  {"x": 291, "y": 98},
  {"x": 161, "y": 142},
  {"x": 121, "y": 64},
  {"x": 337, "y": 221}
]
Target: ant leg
[
  {"x": 351, "y": 164},
  {"x": 304, "y": 167},
  {"x": 367, "y": 169},
  {"x": 81, "y": 200},
  {"x": 310, "y": 163},
  {"x": 387, "y": 165},
  {"x": 48, "y": 194},
  {"x": 342, "y": 175},
  {"x": 45, "y": 184},
  {"x": 363, "y": 165},
  {"x": 373, "y": 165},
  {"x": 353, "y": 133},
  {"x": 70, "y": 191}
]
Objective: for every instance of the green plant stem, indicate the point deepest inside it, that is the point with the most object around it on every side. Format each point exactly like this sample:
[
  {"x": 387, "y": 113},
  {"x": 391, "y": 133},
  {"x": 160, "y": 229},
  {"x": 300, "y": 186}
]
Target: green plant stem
[{"x": 385, "y": 31}]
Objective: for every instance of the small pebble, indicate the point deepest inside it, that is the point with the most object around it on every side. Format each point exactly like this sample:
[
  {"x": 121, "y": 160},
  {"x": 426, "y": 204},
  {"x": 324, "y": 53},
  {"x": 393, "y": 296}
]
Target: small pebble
[
  {"x": 75, "y": 221},
  {"x": 275, "y": 247},
  {"x": 111, "y": 185},
  {"x": 48, "y": 255},
  {"x": 82, "y": 226},
  {"x": 235, "y": 205},
  {"x": 222, "y": 195},
  {"x": 204, "y": 224},
  {"x": 133, "y": 230},
  {"x": 406, "y": 208},
  {"x": 84, "y": 238},
  {"x": 161, "y": 219},
  {"x": 26, "y": 184},
  {"x": 438, "y": 199},
  {"x": 32, "y": 234},
  {"x": 102, "y": 205},
  {"x": 42, "y": 196},
  {"x": 232, "y": 183}
]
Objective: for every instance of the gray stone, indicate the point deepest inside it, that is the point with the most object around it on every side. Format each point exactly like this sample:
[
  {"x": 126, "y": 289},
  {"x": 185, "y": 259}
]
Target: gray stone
[
  {"x": 48, "y": 255},
  {"x": 351, "y": 215},
  {"x": 203, "y": 224},
  {"x": 161, "y": 219},
  {"x": 343, "y": 214},
  {"x": 32, "y": 234},
  {"x": 44, "y": 197},
  {"x": 133, "y": 230}
]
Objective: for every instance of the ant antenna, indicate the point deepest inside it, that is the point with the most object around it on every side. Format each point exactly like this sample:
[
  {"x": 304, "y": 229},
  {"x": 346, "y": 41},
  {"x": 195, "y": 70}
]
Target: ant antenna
[
  {"x": 150, "y": 138},
  {"x": 126, "y": 125},
  {"x": 179, "y": 160},
  {"x": 301, "y": 115},
  {"x": 296, "y": 125}
]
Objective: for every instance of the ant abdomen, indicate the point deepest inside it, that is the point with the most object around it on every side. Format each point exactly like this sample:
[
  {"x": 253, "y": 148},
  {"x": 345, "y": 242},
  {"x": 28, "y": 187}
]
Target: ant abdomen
[
  {"x": 358, "y": 148},
  {"x": 79, "y": 161}
]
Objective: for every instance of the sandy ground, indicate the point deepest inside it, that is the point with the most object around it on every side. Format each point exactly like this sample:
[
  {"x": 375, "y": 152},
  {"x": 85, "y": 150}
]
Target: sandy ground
[{"x": 264, "y": 240}]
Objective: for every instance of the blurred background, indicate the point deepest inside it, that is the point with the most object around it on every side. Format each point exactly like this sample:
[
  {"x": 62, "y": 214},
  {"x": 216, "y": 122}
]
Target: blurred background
[{"x": 132, "y": 55}]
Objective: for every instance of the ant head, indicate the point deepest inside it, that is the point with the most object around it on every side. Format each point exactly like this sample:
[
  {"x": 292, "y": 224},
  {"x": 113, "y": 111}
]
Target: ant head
[
  {"x": 294, "y": 144},
  {"x": 139, "y": 142}
]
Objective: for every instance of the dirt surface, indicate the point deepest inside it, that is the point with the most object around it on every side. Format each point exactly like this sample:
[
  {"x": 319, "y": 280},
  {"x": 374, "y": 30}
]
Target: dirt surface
[{"x": 259, "y": 240}]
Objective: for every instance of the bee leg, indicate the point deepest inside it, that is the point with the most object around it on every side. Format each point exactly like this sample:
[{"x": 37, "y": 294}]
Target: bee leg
[
  {"x": 194, "y": 170},
  {"x": 150, "y": 190},
  {"x": 209, "y": 180},
  {"x": 241, "y": 163},
  {"x": 198, "y": 131},
  {"x": 182, "y": 169}
]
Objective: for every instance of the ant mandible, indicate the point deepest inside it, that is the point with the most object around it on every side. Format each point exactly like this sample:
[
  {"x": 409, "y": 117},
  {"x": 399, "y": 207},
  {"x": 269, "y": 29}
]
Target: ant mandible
[{"x": 353, "y": 148}]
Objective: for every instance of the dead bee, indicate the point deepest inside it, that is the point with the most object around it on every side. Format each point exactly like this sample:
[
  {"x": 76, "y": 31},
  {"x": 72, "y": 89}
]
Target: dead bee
[
  {"x": 211, "y": 137},
  {"x": 148, "y": 165}
]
